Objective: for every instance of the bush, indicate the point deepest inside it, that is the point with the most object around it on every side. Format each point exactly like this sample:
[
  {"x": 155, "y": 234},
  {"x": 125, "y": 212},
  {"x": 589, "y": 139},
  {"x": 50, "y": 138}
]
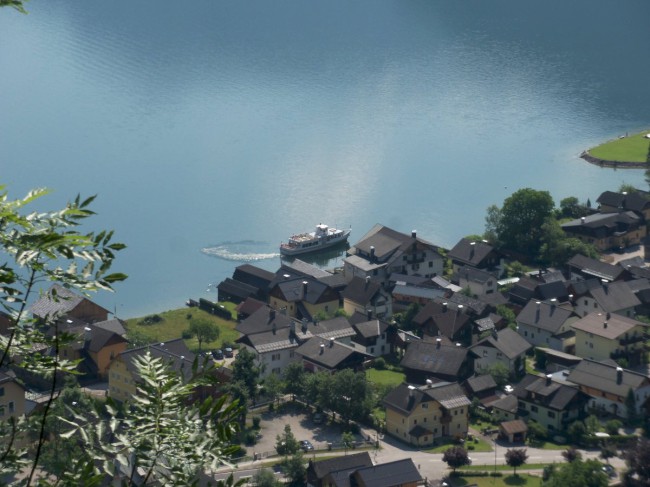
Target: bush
[
  {"x": 250, "y": 438},
  {"x": 612, "y": 426},
  {"x": 256, "y": 422},
  {"x": 150, "y": 320},
  {"x": 380, "y": 363},
  {"x": 186, "y": 335}
]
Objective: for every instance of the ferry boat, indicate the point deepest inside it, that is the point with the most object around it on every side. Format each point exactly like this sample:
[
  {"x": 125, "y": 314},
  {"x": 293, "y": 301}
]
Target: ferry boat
[{"x": 320, "y": 239}]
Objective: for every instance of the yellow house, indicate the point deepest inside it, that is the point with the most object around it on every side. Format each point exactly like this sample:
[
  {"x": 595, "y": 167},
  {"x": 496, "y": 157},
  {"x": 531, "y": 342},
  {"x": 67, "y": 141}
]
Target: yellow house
[
  {"x": 419, "y": 415},
  {"x": 303, "y": 297},
  {"x": 123, "y": 375},
  {"x": 12, "y": 396},
  {"x": 602, "y": 336}
]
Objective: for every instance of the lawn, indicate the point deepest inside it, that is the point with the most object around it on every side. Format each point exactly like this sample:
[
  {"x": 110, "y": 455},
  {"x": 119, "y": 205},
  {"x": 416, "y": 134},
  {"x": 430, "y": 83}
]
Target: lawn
[
  {"x": 385, "y": 377},
  {"x": 628, "y": 149},
  {"x": 479, "y": 445},
  {"x": 174, "y": 322},
  {"x": 521, "y": 480}
]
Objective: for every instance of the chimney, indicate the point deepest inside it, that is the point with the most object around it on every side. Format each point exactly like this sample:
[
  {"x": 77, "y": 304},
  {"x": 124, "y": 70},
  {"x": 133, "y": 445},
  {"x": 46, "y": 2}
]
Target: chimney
[
  {"x": 460, "y": 308},
  {"x": 369, "y": 314},
  {"x": 372, "y": 253},
  {"x": 444, "y": 306},
  {"x": 271, "y": 315},
  {"x": 331, "y": 342},
  {"x": 322, "y": 348},
  {"x": 471, "y": 250},
  {"x": 605, "y": 325},
  {"x": 411, "y": 390},
  {"x": 292, "y": 328},
  {"x": 582, "y": 220},
  {"x": 87, "y": 333},
  {"x": 414, "y": 233},
  {"x": 438, "y": 342},
  {"x": 619, "y": 375},
  {"x": 429, "y": 383},
  {"x": 304, "y": 287},
  {"x": 304, "y": 325},
  {"x": 553, "y": 303},
  {"x": 458, "y": 344},
  {"x": 549, "y": 379},
  {"x": 537, "y": 311},
  {"x": 367, "y": 281},
  {"x": 286, "y": 276}
]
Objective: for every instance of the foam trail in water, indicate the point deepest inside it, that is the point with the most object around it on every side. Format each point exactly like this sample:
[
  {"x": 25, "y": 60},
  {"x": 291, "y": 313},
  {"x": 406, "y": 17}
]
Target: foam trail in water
[{"x": 239, "y": 251}]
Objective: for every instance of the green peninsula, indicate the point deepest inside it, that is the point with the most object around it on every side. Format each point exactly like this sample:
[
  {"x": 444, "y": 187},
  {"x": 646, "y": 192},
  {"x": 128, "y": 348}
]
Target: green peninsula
[{"x": 632, "y": 150}]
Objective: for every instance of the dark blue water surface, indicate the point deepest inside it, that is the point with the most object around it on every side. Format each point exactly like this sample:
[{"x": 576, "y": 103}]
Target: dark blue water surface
[{"x": 225, "y": 126}]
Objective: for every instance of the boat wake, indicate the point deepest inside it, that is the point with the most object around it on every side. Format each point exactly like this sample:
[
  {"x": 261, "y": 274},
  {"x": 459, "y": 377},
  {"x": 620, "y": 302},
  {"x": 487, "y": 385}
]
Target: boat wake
[{"x": 244, "y": 251}]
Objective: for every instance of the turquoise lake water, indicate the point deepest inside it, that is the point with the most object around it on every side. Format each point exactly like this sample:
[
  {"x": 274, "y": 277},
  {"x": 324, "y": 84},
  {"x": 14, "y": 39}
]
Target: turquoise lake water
[{"x": 213, "y": 130}]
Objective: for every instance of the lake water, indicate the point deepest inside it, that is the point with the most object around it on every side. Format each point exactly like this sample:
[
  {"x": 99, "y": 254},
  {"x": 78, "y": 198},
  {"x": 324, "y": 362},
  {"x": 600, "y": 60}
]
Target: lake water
[{"x": 226, "y": 126}]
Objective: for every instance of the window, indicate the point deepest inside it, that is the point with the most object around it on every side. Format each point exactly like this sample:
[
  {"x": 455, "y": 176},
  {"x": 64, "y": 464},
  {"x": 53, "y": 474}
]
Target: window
[
  {"x": 415, "y": 421},
  {"x": 425, "y": 419},
  {"x": 499, "y": 355},
  {"x": 551, "y": 414},
  {"x": 2, "y": 391},
  {"x": 425, "y": 405},
  {"x": 372, "y": 349},
  {"x": 534, "y": 409},
  {"x": 485, "y": 353},
  {"x": 12, "y": 407},
  {"x": 275, "y": 356},
  {"x": 430, "y": 263}
]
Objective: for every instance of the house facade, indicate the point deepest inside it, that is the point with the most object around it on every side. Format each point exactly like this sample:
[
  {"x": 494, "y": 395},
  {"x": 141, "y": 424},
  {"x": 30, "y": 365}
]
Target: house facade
[
  {"x": 601, "y": 336},
  {"x": 364, "y": 295},
  {"x": 608, "y": 230},
  {"x": 303, "y": 298},
  {"x": 506, "y": 347},
  {"x": 421, "y": 415},
  {"x": 12, "y": 396},
  {"x": 383, "y": 251},
  {"x": 547, "y": 324}
]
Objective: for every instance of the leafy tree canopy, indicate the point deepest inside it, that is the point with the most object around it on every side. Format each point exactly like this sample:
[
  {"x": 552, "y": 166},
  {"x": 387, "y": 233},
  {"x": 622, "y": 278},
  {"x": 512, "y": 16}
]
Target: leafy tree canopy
[
  {"x": 578, "y": 473},
  {"x": 455, "y": 457}
]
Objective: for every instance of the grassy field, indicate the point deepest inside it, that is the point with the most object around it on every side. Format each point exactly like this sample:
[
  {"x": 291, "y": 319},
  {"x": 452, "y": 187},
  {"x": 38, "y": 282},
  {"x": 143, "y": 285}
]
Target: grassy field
[
  {"x": 385, "y": 377},
  {"x": 521, "y": 480},
  {"x": 176, "y": 321},
  {"x": 628, "y": 149}
]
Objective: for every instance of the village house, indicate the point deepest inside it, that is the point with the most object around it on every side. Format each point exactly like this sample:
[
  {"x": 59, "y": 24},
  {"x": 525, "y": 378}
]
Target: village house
[
  {"x": 545, "y": 324},
  {"x": 601, "y": 336},
  {"x": 476, "y": 281},
  {"x": 608, "y": 297},
  {"x": 550, "y": 403},
  {"x": 365, "y": 295},
  {"x": 382, "y": 251},
  {"x": 607, "y": 230},
  {"x": 12, "y": 395},
  {"x": 421, "y": 415},
  {"x": 303, "y": 297},
  {"x": 506, "y": 347},
  {"x": 328, "y": 355},
  {"x": 123, "y": 375},
  {"x": 637, "y": 201},
  {"x": 608, "y": 385},
  {"x": 482, "y": 387},
  {"x": 442, "y": 319},
  {"x": 320, "y": 472},
  {"x": 435, "y": 361},
  {"x": 372, "y": 337},
  {"x": 58, "y": 302},
  {"x": 398, "y": 473},
  {"x": 581, "y": 267},
  {"x": 476, "y": 254}
]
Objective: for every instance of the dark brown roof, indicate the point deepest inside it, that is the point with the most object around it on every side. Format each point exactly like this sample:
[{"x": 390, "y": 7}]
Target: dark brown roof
[
  {"x": 428, "y": 357},
  {"x": 507, "y": 341},
  {"x": 57, "y": 301},
  {"x": 595, "y": 268},
  {"x": 331, "y": 355},
  {"x": 264, "y": 319},
  {"x": 322, "y": 468},
  {"x": 470, "y": 252},
  {"x": 361, "y": 291},
  {"x": 547, "y": 316},
  {"x": 513, "y": 427},
  {"x": 546, "y": 392},
  {"x": 392, "y": 474},
  {"x": 481, "y": 383},
  {"x": 604, "y": 377}
]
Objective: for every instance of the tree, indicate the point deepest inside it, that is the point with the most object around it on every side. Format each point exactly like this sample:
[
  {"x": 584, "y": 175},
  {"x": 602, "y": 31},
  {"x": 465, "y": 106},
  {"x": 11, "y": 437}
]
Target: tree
[
  {"x": 521, "y": 218},
  {"x": 630, "y": 408},
  {"x": 627, "y": 188},
  {"x": 294, "y": 379},
  {"x": 266, "y": 478},
  {"x": 246, "y": 371},
  {"x": 499, "y": 373},
  {"x": 612, "y": 426},
  {"x": 39, "y": 248},
  {"x": 608, "y": 451},
  {"x": 577, "y": 432},
  {"x": 286, "y": 443},
  {"x": 571, "y": 208},
  {"x": 350, "y": 395},
  {"x": 347, "y": 439},
  {"x": 637, "y": 457},
  {"x": 516, "y": 457},
  {"x": 592, "y": 424},
  {"x": 273, "y": 386},
  {"x": 577, "y": 473},
  {"x": 203, "y": 330},
  {"x": 571, "y": 454},
  {"x": 456, "y": 457},
  {"x": 557, "y": 248},
  {"x": 294, "y": 469},
  {"x": 164, "y": 438},
  {"x": 492, "y": 225},
  {"x": 537, "y": 431}
]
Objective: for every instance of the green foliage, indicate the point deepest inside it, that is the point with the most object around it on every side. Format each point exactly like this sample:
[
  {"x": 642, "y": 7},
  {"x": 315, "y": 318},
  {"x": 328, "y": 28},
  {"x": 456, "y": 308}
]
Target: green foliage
[
  {"x": 557, "y": 248},
  {"x": 273, "y": 386},
  {"x": 630, "y": 408},
  {"x": 633, "y": 148},
  {"x": 571, "y": 208},
  {"x": 164, "y": 436},
  {"x": 16, "y": 4},
  {"x": 499, "y": 373},
  {"x": 518, "y": 223},
  {"x": 577, "y": 432},
  {"x": 516, "y": 269},
  {"x": 612, "y": 426},
  {"x": 41, "y": 248},
  {"x": 294, "y": 376},
  {"x": 379, "y": 363},
  {"x": 577, "y": 473},
  {"x": 571, "y": 455},
  {"x": 637, "y": 457},
  {"x": 347, "y": 438},
  {"x": 150, "y": 320},
  {"x": 266, "y": 478},
  {"x": 405, "y": 319},
  {"x": 592, "y": 424},
  {"x": 245, "y": 371},
  {"x": 295, "y": 470},
  {"x": 540, "y": 359},
  {"x": 537, "y": 431},
  {"x": 203, "y": 330},
  {"x": 507, "y": 314},
  {"x": 286, "y": 443}
]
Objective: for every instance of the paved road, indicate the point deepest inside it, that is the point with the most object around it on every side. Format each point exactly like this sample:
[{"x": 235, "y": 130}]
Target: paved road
[{"x": 430, "y": 465}]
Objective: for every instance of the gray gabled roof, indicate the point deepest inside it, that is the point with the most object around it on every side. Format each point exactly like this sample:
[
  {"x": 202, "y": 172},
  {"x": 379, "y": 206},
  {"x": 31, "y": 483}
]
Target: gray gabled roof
[
  {"x": 264, "y": 319},
  {"x": 603, "y": 376},
  {"x": 56, "y": 302},
  {"x": 431, "y": 358},
  {"x": 507, "y": 341},
  {"x": 372, "y": 328},
  {"x": 356, "y": 460},
  {"x": 470, "y": 252},
  {"x": 609, "y": 327},
  {"x": 361, "y": 291},
  {"x": 546, "y": 392},
  {"x": 331, "y": 355},
  {"x": 595, "y": 268},
  {"x": 615, "y": 296},
  {"x": 547, "y": 316},
  {"x": 391, "y": 474}
]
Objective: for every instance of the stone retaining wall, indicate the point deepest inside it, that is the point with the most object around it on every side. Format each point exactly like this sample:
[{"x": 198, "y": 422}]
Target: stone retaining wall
[{"x": 615, "y": 164}]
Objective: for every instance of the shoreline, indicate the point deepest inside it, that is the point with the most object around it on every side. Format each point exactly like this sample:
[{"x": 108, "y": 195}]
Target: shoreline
[{"x": 612, "y": 164}]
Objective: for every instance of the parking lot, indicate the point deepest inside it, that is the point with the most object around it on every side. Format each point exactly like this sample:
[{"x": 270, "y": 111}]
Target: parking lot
[{"x": 302, "y": 427}]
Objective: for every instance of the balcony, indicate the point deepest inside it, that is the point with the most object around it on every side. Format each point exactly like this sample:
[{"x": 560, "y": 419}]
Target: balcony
[{"x": 624, "y": 342}]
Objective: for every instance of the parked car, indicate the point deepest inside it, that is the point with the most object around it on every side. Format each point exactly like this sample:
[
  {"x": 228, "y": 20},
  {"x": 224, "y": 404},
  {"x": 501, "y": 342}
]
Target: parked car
[
  {"x": 217, "y": 354},
  {"x": 306, "y": 445},
  {"x": 609, "y": 470},
  {"x": 228, "y": 352},
  {"x": 317, "y": 418}
]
